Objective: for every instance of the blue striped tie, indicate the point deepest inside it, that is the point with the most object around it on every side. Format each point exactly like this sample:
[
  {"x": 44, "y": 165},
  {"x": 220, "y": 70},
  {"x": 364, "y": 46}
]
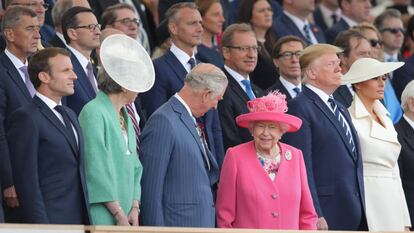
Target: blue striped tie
[{"x": 342, "y": 122}]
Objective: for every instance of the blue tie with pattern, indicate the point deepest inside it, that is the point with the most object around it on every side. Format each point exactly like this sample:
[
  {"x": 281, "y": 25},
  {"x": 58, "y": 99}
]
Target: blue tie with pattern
[{"x": 249, "y": 90}]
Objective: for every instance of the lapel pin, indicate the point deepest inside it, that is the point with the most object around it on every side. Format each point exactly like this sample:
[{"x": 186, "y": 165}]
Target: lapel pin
[{"x": 288, "y": 155}]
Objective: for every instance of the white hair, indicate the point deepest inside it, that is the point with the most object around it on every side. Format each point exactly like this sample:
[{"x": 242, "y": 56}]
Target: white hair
[{"x": 408, "y": 92}]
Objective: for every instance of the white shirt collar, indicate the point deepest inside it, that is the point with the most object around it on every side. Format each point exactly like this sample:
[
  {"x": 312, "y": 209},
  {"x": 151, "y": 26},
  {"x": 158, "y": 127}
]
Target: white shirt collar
[
  {"x": 239, "y": 78},
  {"x": 182, "y": 56},
  {"x": 300, "y": 24},
  {"x": 324, "y": 97},
  {"x": 49, "y": 102},
  {"x": 388, "y": 56},
  {"x": 410, "y": 122},
  {"x": 327, "y": 14},
  {"x": 81, "y": 58},
  {"x": 349, "y": 21},
  {"x": 289, "y": 86},
  {"x": 176, "y": 95},
  {"x": 17, "y": 63}
]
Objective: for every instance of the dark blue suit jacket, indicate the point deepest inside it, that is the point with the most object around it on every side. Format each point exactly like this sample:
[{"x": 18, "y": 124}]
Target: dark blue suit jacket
[
  {"x": 84, "y": 91},
  {"x": 284, "y": 26},
  {"x": 176, "y": 184},
  {"x": 57, "y": 42},
  {"x": 13, "y": 94},
  {"x": 343, "y": 95},
  {"x": 335, "y": 177},
  {"x": 403, "y": 76},
  {"x": 48, "y": 169},
  {"x": 169, "y": 79},
  {"x": 333, "y": 32},
  {"x": 278, "y": 86},
  {"x": 318, "y": 18}
]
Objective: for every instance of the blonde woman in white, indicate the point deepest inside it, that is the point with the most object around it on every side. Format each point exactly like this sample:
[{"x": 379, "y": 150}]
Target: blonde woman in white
[{"x": 386, "y": 208}]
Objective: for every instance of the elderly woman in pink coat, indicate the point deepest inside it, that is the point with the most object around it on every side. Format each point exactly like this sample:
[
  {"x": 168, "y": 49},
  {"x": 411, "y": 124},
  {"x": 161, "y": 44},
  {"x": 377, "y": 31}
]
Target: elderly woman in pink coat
[{"x": 263, "y": 182}]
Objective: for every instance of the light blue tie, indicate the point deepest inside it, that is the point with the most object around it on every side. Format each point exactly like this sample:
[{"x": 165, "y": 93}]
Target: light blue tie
[
  {"x": 391, "y": 102},
  {"x": 249, "y": 90}
]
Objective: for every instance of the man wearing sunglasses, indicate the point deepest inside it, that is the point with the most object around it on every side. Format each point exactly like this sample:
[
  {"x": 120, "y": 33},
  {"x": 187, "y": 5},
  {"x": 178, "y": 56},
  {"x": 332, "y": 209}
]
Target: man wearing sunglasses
[
  {"x": 390, "y": 25},
  {"x": 81, "y": 31}
]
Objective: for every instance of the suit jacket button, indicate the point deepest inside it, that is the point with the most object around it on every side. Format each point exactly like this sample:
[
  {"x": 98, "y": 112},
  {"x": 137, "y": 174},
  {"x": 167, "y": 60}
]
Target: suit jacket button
[
  {"x": 275, "y": 214},
  {"x": 274, "y": 196}
]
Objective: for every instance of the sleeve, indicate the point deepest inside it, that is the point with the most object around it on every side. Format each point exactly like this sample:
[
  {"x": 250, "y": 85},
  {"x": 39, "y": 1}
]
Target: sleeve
[
  {"x": 6, "y": 177},
  {"x": 99, "y": 168},
  {"x": 137, "y": 179},
  {"x": 228, "y": 124},
  {"x": 226, "y": 195},
  {"x": 157, "y": 145},
  {"x": 302, "y": 140},
  {"x": 307, "y": 215},
  {"x": 24, "y": 162}
]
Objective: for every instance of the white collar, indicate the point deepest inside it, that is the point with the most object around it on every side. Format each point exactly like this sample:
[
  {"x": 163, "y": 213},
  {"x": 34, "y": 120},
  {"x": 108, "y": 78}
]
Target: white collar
[
  {"x": 409, "y": 121},
  {"x": 176, "y": 95},
  {"x": 289, "y": 86},
  {"x": 324, "y": 97},
  {"x": 16, "y": 61},
  {"x": 181, "y": 56},
  {"x": 297, "y": 21},
  {"x": 327, "y": 13},
  {"x": 238, "y": 77},
  {"x": 49, "y": 102},
  {"x": 81, "y": 58},
  {"x": 349, "y": 21}
]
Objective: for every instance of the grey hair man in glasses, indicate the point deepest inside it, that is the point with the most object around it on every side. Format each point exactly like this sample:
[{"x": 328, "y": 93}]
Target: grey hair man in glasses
[
  {"x": 81, "y": 31},
  {"x": 285, "y": 56},
  {"x": 240, "y": 51}
]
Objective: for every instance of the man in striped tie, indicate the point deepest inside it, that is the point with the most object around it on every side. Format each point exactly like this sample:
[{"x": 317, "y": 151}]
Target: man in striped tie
[{"x": 329, "y": 143}]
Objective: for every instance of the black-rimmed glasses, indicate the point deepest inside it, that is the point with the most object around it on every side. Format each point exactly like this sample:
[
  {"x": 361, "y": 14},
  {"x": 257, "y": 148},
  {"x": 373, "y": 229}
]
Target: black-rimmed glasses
[
  {"x": 289, "y": 55},
  {"x": 90, "y": 27},
  {"x": 127, "y": 21},
  {"x": 244, "y": 49}
]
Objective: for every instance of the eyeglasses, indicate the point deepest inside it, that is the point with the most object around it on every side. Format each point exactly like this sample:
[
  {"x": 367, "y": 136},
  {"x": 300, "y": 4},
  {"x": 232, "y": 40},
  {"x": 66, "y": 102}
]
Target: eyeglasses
[
  {"x": 375, "y": 43},
  {"x": 393, "y": 30},
  {"x": 32, "y": 5},
  {"x": 289, "y": 55},
  {"x": 90, "y": 27},
  {"x": 245, "y": 49},
  {"x": 127, "y": 21}
]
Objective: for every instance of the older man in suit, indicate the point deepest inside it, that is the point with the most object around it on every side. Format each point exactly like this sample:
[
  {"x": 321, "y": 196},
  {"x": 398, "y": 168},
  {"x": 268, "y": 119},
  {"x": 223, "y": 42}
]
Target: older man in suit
[
  {"x": 48, "y": 170},
  {"x": 179, "y": 168},
  {"x": 329, "y": 143},
  {"x": 405, "y": 130},
  {"x": 240, "y": 58},
  {"x": 81, "y": 31},
  {"x": 184, "y": 25},
  {"x": 294, "y": 21},
  {"x": 286, "y": 55},
  {"x": 21, "y": 31}
]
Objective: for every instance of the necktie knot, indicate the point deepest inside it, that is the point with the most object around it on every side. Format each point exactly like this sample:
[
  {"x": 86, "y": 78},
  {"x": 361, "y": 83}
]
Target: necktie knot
[
  {"x": 249, "y": 90},
  {"x": 306, "y": 30},
  {"x": 334, "y": 19},
  {"x": 192, "y": 62},
  {"x": 332, "y": 102},
  {"x": 296, "y": 90}
]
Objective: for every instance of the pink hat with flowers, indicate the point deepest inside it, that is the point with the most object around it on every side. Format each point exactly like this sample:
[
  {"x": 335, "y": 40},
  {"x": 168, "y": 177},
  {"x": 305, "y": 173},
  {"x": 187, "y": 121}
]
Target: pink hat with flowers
[{"x": 272, "y": 107}]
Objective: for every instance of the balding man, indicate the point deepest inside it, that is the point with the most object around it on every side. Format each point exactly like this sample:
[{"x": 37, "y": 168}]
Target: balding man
[
  {"x": 329, "y": 143},
  {"x": 179, "y": 168}
]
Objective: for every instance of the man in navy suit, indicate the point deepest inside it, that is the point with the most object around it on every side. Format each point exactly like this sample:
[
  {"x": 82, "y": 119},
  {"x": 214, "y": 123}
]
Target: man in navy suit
[
  {"x": 355, "y": 46},
  {"x": 184, "y": 25},
  {"x": 326, "y": 14},
  {"x": 179, "y": 168},
  {"x": 286, "y": 53},
  {"x": 353, "y": 13},
  {"x": 240, "y": 58},
  {"x": 329, "y": 143},
  {"x": 294, "y": 21},
  {"x": 81, "y": 31},
  {"x": 48, "y": 170},
  {"x": 21, "y": 32}
]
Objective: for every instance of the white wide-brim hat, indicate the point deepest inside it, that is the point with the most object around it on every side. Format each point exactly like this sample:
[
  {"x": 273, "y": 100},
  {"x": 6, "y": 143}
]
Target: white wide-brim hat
[
  {"x": 368, "y": 68},
  {"x": 127, "y": 63}
]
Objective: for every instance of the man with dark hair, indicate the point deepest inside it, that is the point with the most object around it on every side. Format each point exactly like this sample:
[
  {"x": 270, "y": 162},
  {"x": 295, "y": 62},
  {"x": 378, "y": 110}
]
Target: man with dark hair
[
  {"x": 354, "y": 46},
  {"x": 285, "y": 56},
  {"x": 81, "y": 31},
  {"x": 122, "y": 17},
  {"x": 49, "y": 170},
  {"x": 20, "y": 28},
  {"x": 353, "y": 13}
]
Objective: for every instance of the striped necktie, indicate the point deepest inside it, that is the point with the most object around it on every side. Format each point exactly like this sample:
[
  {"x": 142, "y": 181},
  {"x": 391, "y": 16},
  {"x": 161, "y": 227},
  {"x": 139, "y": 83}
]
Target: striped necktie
[{"x": 135, "y": 123}]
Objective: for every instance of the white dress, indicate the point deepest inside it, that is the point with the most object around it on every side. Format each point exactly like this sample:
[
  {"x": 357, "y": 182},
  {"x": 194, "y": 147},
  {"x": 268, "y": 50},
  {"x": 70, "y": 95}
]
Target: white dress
[{"x": 386, "y": 208}]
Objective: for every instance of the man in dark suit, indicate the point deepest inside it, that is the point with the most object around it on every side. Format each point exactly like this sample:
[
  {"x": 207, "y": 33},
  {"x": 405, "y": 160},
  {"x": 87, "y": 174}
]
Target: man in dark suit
[
  {"x": 240, "y": 58},
  {"x": 58, "y": 10},
  {"x": 15, "y": 87},
  {"x": 81, "y": 31},
  {"x": 48, "y": 170},
  {"x": 285, "y": 56},
  {"x": 353, "y": 13},
  {"x": 180, "y": 170},
  {"x": 294, "y": 21},
  {"x": 405, "y": 130},
  {"x": 329, "y": 143},
  {"x": 184, "y": 25},
  {"x": 326, "y": 14},
  {"x": 355, "y": 46}
]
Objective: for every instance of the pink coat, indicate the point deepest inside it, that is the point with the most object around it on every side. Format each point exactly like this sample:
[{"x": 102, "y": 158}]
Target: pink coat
[{"x": 248, "y": 198}]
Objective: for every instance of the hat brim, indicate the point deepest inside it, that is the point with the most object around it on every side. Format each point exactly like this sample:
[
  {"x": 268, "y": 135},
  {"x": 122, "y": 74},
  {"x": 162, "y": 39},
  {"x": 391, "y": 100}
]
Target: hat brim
[
  {"x": 292, "y": 122},
  {"x": 363, "y": 70}
]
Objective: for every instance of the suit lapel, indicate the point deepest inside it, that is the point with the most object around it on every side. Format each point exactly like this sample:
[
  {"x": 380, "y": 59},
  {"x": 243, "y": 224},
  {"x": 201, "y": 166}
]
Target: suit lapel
[
  {"x": 236, "y": 88},
  {"x": 176, "y": 66},
  {"x": 47, "y": 112},
  {"x": 15, "y": 75},
  {"x": 330, "y": 115},
  {"x": 290, "y": 24},
  {"x": 82, "y": 80}
]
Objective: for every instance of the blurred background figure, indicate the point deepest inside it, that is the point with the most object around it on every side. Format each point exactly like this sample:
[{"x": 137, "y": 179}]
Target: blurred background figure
[{"x": 327, "y": 14}]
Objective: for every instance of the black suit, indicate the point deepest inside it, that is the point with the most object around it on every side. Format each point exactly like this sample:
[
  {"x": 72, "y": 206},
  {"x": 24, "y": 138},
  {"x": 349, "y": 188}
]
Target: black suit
[
  {"x": 232, "y": 105},
  {"x": 49, "y": 169},
  {"x": 344, "y": 96},
  {"x": 318, "y": 18},
  {"x": 13, "y": 94},
  {"x": 406, "y": 162},
  {"x": 57, "y": 42},
  {"x": 333, "y": 32},
  {"x": 281, "y": 88},
  {"x": 402, "y": 76}
]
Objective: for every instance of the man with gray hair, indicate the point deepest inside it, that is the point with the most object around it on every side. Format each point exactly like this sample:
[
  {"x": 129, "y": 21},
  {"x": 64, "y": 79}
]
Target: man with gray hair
[
  {"x": 405, "y": 130},
  {"x": 180, "y": 170}
]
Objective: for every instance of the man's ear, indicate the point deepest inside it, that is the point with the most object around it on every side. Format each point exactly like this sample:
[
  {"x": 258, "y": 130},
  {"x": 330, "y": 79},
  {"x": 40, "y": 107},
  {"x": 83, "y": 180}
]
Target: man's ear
[
  {"x": 72, "y": 34},
  {"x": 276, "y": 62},
  {"x": 44, "y": 77},
  {"x": 9, "y": 34},
  {"x": 310, "y": 73}
]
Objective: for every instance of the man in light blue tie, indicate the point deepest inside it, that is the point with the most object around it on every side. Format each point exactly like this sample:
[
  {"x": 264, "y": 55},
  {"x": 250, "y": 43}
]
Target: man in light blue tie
[{"x": 240, "y": 58}]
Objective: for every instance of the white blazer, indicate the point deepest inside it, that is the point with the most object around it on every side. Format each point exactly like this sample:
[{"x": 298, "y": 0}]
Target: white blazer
[{"x": 386, "y": 208}]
